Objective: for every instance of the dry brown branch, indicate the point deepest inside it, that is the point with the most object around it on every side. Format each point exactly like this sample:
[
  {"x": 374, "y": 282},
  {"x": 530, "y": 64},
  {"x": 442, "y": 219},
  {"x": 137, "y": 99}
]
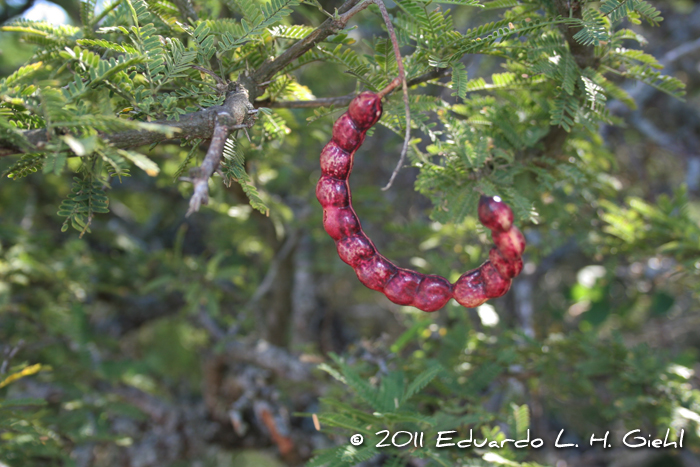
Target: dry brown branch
[{"x": 237, "y": 113}]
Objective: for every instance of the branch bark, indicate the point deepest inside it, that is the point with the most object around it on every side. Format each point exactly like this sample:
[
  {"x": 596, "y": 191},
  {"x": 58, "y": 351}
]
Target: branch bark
[
  {"x": 237, "y": 113},
  {"x": 584, "y": 56},
  {"x": 342, "y": 101},
  {"x": 329, "y": 27}
]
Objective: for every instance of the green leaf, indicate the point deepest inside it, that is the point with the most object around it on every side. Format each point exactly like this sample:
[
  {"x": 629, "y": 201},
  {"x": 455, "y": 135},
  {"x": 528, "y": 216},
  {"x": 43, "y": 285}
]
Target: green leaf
[
  {"x": 141, "y": 161},
  {"x": 459, "y": 80},
  {"x": 421, "y": 381}
]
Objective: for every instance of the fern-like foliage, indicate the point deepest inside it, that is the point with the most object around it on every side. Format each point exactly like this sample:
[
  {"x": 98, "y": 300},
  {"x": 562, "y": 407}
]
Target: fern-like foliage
[
  {"x": 28, "y": 164},
  {"x": 87, "y": 198},
  {"x": 233, "y": 167},
  {"x": 256, "y": 21}
]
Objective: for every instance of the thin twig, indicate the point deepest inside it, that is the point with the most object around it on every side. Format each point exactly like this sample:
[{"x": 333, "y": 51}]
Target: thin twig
[
  {"x": 269, "y": 279},
  {"x": 236, "y": 113},
  {"x": 402, "y": 77},
  {"x": 678, "y": 52},
  {"x": 329, "y": 27},
  {"x": 199, "y": 176},
  {"x": 10, "y": 353},
  {"x": 320, "y": 102},
  {"x": 210, "y": 324},
  {"x": 220, "y": 81},
  {"x": 343, "y": 101}
]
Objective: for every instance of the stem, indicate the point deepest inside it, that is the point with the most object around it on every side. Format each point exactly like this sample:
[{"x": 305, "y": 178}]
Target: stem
[
  {"x": 200, "y": 175},
  {"x": 402, "y": 78},
  {"x": 390, "y": 87}
]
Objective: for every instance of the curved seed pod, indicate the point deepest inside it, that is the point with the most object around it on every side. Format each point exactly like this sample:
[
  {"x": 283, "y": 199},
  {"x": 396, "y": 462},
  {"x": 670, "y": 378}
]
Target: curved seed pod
[
  {"x": 403, "y": 286},
  {"x": 346, "y": 134},
  {"x": 341, "y": 222},
  {"x": 335, "y": 161},
  {"x": 365, "y": 110}
]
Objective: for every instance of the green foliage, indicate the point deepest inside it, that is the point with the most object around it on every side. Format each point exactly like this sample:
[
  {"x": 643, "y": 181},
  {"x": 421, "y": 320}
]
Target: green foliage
[
  {"x": 233, "y": 167},
  {"x": 153, "y": 78},
  {"x": 86, "y": 200},
  {"x": 24, "y": 433},
  {"x": 664, "y": 228},
  {"x": 255, "y": 22}
]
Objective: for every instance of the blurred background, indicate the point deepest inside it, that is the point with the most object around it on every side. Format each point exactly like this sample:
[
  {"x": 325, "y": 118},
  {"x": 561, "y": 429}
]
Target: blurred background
[{"x": 164, "y": 340}]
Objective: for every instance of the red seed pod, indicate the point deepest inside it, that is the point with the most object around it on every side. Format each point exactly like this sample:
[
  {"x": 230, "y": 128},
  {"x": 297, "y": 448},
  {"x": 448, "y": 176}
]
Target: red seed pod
[
  {"x": 469, "y": 290},
  {"x": 403, "y": 287},
  {"x": 494, "y": 214},
  {"x": 494, "y": 284},
  {"x": 507, "y": 268},
  {"x": 433, "y": 293},
  {"x": 366, "y": 109},
  {"x": 346, "y": 134},
  {"x": 375, "y": 272},
  {"x": 353, "y": 250},
  {"x": 332, "y": 192},
  {"x": 341, "y": 222},
  {"x": 511, "y": 243},
  {"x": 335, "y": 162}
]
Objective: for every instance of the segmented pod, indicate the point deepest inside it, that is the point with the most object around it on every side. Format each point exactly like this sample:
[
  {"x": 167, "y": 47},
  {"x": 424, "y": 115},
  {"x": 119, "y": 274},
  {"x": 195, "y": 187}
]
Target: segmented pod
[{"x": 403, "y": 286}]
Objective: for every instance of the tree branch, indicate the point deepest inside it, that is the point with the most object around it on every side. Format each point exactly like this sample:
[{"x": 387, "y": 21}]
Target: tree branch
[
  {"x": 584, "y": 56},
  {"x": 329, "y": 27},
  {"x": 237, "y": 113},
  {"x": 321, "y": 102},
  {"x": 186, "y": 10},
  {"x": 10, "y": 353},
  {"x": 345, "y": 100}
]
